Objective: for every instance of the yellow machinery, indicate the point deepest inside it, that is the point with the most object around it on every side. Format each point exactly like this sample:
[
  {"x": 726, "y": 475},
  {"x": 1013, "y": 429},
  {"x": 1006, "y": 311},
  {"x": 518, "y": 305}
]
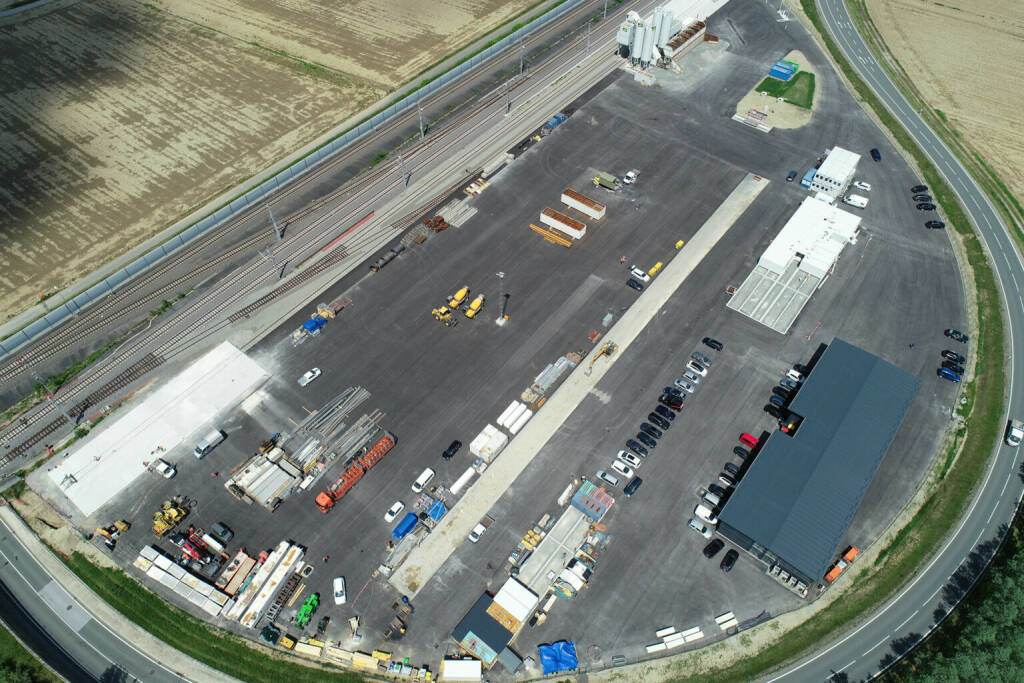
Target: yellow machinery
[
  {"x": 114, "y": 530},
  {"x": 169, "y": 515},
  {"x": 476, "y": 306},
  {"x": 607, "y": 349},
  {"x": 444, "y": 315},
  {"x": 454, "y": 302}
]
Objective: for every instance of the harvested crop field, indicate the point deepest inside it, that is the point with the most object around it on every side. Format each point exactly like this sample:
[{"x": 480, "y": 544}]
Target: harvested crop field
[
  {"x": 965, "y": 58},
  {"x": 380, "y": 42},
  {"x": 116, "y": 120}
]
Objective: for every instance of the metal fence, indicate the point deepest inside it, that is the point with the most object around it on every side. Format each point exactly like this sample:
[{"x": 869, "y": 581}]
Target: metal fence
[{"x": 110, "y": 283}]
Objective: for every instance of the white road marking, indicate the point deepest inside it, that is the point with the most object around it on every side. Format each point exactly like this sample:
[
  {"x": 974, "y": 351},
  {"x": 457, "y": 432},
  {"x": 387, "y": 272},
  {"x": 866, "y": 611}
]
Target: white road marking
[
  {"x": 874, "y": 646},
  {"x": 929, "y": 599},
  {"x": 1010, "y": 473},
  {"x": 978, "y": 537},
  {"x": 992, "y": 513},
  {"x": 904, "y": 623}
]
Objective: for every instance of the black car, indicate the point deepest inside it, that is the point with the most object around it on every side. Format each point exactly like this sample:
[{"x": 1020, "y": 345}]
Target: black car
[
  {"x": 953, "y": 356},
  {"x": 950, "y": 365},
  {"x": 741, "y": 452},
  {"x": 791, "y": 177},
  {"x": 732, "y": 469},
  {"x": 673, "y": 402},
  {"x": 919, "y": 188},
  {"x": 956, "y": 334},
  {"x": 713, "y": 343},
  {"x": 665, "y": 413},
  {"x": 632, "y": 486},
  {"x": 729, "y": 561},
  {"x": 876, "y": 155},
  {"x": 177, "y": 538},
  {"x": 452, "y": 449},
  {"x": 712, "y": 549},
  {"x": 782, "y": 392},
  {"x": 935, "y": 225},
  {"x": 672, "y": 391},
  {"x": 646, "y": 440},
  {"x": 221, "y": 532},
  {"x": 634, "y": 446},
  {"x": 651, "y": 430},
  {"x": 773, "y": 410},
  {"x": 717, "y": 490},
  {"x": 802, "y": 369},
  {"x": 925, "y": 207},
  {"x": 635, "y": 284},
  {"x": 922, "y": 197},
  {"x": 658, "y": 421}
]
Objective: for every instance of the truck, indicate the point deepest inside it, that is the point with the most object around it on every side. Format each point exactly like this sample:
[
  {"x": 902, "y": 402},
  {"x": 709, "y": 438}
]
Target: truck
[
  {"x": 456, "y": 300},
  {"x": 856, "y": 201},
  {"x": 607, "y": 181},
  {"x": 354, "y": 472},
  {"x": 845, "y": 561},
  {"x": 318, "y": 320},
  {"x": 475, "y": 307},
  {"x": 481, "y": 526},
  {"x": 1014, "y": 433}
]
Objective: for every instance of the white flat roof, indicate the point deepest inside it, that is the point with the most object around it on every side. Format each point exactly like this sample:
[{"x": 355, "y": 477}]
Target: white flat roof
[
  {"x": 817, "y": 230},
  {"x": 517, "y": 599},
  {"x": 839, "y": 163},
  {"x": 107, "y": 463}
]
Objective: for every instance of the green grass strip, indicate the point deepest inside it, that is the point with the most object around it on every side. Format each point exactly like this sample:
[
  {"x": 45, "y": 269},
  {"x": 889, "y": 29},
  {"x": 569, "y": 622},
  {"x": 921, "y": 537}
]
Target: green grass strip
[
  {"x": 18, "y": 664},
  {"x": 798, "y": 90},
  {"x": 218, "y": 649}
]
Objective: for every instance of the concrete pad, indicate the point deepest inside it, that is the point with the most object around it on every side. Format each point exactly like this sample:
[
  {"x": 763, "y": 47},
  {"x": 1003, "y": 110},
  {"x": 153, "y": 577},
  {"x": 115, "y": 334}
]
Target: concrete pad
[
  {"x": 106, "y": 464},
  {"x": 431, "y": 554}
]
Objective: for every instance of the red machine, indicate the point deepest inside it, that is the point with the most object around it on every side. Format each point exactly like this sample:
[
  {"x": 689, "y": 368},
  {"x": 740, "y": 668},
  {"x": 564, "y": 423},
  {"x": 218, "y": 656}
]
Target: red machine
[{"x": 354, "y": 472}]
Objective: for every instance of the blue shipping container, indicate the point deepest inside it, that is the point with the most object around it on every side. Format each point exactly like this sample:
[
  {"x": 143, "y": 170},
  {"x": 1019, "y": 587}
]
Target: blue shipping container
[
  {"x": 405, "y": 526},
  {"x": 808, "y": 177},
  {"x": 554, "y": 121}
]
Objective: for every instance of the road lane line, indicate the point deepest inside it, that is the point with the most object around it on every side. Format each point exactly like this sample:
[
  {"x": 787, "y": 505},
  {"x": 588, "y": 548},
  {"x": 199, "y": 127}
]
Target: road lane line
[
  {"x": 978, "y": 537},
  {"x": 904, "y": 622},
  {"x": 1010, "y": 473},
  {"x": 929, "y": 599},
  {"x": 992, "y": 513},
  {"x": 844, "y": 667},
  {"x": 875, "y": 645}
]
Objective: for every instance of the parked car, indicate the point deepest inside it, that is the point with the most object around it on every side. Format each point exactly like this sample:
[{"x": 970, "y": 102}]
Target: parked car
[
  {"x": 673, "y": 402},
  {"x": 773, "y": 410},
  {"x": 957, "y": 335},
  {"x": 609, "y": 479},
  {"x": 783, "y": 392},
  {"x": 726, "y": 479},
  {"x": 696, "y": 367},
  {"x": 922, "y": 197},
  {"x": 749, "y": 439},
  {"x": 925, "y": 206},
  {"x": 717, "y": 490},
  {"x": 164, "y": 468},
  {"x": 635, "y": 284},
  {"x": 791, "y": 177},
  {"x": 309, "y": 376},
  {"x": 861, "y": 185},
  {"x": 934, "y": 225},
  {"x": 729, "y": 561},
  {"x": 665, "y": 413},
  {"x": 705, "y": 514},
  {"x": 789, "y": 384},
  {"x": 628, "y": 458},
  {"x": 394, "y": 511},
  {"x": 712, "y": 343},
  {"x": 651, "y": 430},
  {"x": 876, "y": 155},
  {"x": 741, "y": 452},
  {"x": 691, "y": 377},
  {"x": 636, "y": 448},
  {"x": 623, "y": 469},
  {"x": 639, "y": 274},
  {"x": 646, "y": 440},
  {"x": 918, "y": 188},
  {"x": 339, "y": 590},
  {"x": 946, "y": 373},
  {"x": 222, "y": 532},
  {"x": 659, "y": 421},
  {"x": 699, "y": 528},
  {"x": 674, "y": 392},
  {"x": 711, "y": 549},
  {"x": 953, "y": 356},
  {"x": 452, "y": 449},
  {"x": 701, "y": 358},
  {"x": 632, "y": 486},
  {"x": 479, "y": 529},
  {"x": 732, "y": 468},
  {"x": 958, "y": 369},
  {"x": 776, "y": 401},
  {"x": 683, "y": 384}
]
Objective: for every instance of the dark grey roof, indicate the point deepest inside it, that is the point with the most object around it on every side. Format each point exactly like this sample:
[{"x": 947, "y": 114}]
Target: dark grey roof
[
  {"x": 801, "y": 492},
  {"x": 483, "y": 626}
]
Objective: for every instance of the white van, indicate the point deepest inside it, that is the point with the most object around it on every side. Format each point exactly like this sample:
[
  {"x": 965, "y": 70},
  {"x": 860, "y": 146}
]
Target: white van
[
  {"x": 422, "y": 480},
  {"x": 209, "y": 442}
]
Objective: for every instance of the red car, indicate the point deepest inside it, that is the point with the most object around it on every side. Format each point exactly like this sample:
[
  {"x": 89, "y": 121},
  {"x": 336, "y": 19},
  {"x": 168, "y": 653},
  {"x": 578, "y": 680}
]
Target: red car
[{"x": 748, "y": 439}]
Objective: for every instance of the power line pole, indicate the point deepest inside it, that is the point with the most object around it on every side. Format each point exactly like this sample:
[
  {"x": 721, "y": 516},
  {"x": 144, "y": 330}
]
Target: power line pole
[
  {"x": 422, "y": 130},
  {"x": 588, "y": 38},
  {"x": 406, "y": 175},
  {"x": 54, "y": 402},
  {"x": 508, "y": 96},
  {"x": 277, "y": 230},
  {"x": 522, "y": 51},
  {"x": 605, "y": 10}
]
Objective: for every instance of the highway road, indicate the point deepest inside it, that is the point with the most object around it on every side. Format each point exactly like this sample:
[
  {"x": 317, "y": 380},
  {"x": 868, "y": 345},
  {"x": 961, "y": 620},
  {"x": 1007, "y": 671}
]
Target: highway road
[{"x": 912, "y": 613}]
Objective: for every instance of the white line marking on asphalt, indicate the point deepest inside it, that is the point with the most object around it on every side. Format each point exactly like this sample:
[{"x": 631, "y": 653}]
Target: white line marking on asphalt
[
  {"x": 844, "y": 667},
  {"x": 931, "y": 596},
  {"x": 978, "y": 537},
  {"x": 992, "y": 513},
  {"x": 1010, "y": 473},
  {"x": 906, "y": 620},
  {"x": 874, "y": 646}
]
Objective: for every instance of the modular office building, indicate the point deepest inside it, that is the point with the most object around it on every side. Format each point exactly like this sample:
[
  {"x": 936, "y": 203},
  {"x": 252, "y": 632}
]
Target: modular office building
[{"x": 835, "y": 173}]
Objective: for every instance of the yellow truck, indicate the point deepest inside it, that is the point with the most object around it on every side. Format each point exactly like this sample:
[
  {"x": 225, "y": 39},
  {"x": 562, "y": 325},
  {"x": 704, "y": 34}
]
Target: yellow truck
[
  {"x": 476, "y": 306},
  {"x": 454, "y": 302}
]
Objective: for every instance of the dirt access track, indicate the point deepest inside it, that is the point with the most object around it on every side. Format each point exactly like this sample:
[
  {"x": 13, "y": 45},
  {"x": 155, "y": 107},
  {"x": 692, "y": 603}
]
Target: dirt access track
[{"x": 118, "y": 118}]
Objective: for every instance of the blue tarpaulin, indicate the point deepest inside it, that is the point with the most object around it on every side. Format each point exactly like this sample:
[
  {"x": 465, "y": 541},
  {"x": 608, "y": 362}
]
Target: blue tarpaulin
[
  {"x": 405, "y": 526},
  {"x": 313, "y": 325},
  {"x": 437, "y": 510},
  {"x": 560, "y": 656}
]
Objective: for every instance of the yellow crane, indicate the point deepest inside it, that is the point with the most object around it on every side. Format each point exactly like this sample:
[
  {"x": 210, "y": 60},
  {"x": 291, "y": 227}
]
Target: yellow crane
[{"x": 607, "y": 349}]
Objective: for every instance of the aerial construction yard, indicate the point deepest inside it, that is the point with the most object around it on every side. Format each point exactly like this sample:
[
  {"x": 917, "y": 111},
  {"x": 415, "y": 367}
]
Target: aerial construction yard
[
  {"x": 707, "y": 198},
  {"x": 119, "y": 118}
]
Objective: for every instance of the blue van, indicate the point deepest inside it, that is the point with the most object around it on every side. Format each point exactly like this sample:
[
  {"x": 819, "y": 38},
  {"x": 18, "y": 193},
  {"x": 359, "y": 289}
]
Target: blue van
[{"x": 946, "y": 373}]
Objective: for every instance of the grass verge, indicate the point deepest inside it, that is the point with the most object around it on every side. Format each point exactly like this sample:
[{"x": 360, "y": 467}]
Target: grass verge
[
  {"x": 215, "y": 648},
  {"x": 798, "y": 90},
  {"x": 18, "y": 664}
]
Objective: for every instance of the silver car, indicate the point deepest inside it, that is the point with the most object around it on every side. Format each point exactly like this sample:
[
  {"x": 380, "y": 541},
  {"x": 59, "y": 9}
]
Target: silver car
[
  {"x": 686, "y": 386},
  {"x": 607, "y": 478},
  {"x": 692, "y": 376}
]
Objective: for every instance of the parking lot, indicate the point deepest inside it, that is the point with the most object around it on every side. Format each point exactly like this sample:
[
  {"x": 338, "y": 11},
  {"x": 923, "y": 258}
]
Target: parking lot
[{"x": 895, "y": 288}]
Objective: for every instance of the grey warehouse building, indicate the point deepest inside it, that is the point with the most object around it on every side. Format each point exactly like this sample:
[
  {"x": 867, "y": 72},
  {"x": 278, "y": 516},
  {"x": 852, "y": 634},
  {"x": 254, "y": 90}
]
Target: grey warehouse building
[{"x": 797, "y": 500}]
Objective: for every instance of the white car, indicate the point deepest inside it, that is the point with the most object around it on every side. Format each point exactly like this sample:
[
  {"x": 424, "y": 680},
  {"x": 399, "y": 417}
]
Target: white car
[
  {"x": 339, "y": 590},
  {"x": 683, "y": 384},
  {"x": 706, "y": 514},
  {"x": 696, "y": 367},
  {"x": 622, "y": 468},
  {"x": 639, "y": 274},
  {"x": 861, "y": 185},
  {"x": 309, "y": 377},
  {"x": 691, "y": 377},
  {"x": 394, "y": 511},
  {"x": 164, "y": 468},
  {"x": 700, "y": 528},
  {"x": 609, "y": 479},
  {"x": 629, "y": 459},
  {"x": 477, "y": 532},
  {"x": 630, "y": 177}
]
